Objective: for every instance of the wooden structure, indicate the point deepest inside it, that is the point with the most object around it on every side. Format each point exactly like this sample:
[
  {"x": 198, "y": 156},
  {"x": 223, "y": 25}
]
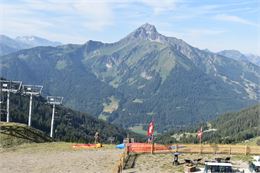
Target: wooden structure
[
  {"x": 195, "y": 148},
  {"x": 184, "y": 148},
  {"x": 217, "y": 149}
]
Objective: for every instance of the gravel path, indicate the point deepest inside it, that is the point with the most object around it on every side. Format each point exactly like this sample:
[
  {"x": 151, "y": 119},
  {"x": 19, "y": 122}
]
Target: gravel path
[
  {"x": 62, "y": 158},
  {"x": 59, "y": 161}
]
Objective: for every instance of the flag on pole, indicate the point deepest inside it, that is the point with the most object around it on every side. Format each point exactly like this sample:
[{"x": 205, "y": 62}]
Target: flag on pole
[
  {"x": 200, "y": 133},
  {"x": 150, "y": 129}
]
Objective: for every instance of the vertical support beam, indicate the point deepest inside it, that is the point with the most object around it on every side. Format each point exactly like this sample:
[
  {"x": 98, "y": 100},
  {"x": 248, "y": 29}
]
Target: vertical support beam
[
  {"x": 152, "y": 147},
  {"x": 52, "y": 120},
  {"x": 246, "y": 147},
  {"x": 127, "y": 149},
  {"x": 8, "y": 107},
  {"x": 55, "y": 100},
  {"x": 201, "y": 143},
  {"x": 30, "y": 111},
  {"x": 152, "y": 144},
  {"x": 123, "y": 160}
]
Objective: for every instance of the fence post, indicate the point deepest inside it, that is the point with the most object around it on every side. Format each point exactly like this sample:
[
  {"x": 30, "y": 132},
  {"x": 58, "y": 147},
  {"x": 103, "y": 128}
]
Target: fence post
[
  {"x": 152, "y": 147},
  {"x": 127, "y": 149},
  {"x": 246, "y": 150},
  {"x": 229, "y": 150},
  {"x": 176, "y": 148},
  {"x": 121, "y": 165}
]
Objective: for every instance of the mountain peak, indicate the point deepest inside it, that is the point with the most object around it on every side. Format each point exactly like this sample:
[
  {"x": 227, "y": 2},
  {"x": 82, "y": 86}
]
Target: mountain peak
[
  {"x": 36, "y": 41},
  {"x": 148, "y": 28},
  {"x": 146, "y": 32}
]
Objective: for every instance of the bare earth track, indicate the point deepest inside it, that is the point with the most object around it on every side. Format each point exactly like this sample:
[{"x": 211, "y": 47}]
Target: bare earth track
[
  {"x": 57, "y": 158},
  {"x": 62, "y": 158}
]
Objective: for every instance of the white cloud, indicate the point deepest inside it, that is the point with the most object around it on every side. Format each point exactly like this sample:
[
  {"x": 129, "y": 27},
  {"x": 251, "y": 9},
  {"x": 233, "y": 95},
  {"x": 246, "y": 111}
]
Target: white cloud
[
  {"x": 48, "y": 5},
  {"x": 230, "y": 18},
  {"x": 97, "y": 14},
  {"x": 109, "y": 20},
  {"x": 194, "y": 34},
  {"x": 20, "y": 19},
  {"x": 161, "y": 5},
  {"x": 65, "y": 18},
  {"x": 204, "y": 32}
]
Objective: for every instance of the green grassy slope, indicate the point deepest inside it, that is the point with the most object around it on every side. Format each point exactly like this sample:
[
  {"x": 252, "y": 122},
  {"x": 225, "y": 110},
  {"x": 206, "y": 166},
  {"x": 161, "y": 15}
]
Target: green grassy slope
[{"x": 13, "y": 134}]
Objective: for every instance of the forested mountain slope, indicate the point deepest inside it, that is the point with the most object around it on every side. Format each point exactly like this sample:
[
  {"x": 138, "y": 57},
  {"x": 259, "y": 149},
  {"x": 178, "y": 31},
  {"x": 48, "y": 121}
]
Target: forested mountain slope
[
  {"x": 141, "y": 77},
  {"x": 233, "y": 127},
  {"x": 69, "y": 125}
]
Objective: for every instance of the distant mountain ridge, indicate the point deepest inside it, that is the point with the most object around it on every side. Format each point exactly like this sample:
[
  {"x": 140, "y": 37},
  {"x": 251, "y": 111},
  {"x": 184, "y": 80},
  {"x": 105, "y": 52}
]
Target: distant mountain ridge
[
  {"x": 236, "y": 55},
  {"x": 35, "y": 41},
  {"x": 9, "y": 45},
  {"x": 141, "y": 77}
]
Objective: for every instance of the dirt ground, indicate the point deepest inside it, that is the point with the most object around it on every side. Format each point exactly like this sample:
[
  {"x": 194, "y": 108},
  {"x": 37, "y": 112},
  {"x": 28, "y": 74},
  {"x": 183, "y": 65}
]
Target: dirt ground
[
  {"x": 147, "y": 163},
  {"x": 62, "y": 158},
  {"x": 58, "y": 158}
]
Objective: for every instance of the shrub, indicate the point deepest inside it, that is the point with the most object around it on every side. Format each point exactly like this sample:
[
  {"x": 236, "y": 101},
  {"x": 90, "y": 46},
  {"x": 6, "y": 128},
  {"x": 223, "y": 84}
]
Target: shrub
[{"x": 258, "y": 142}]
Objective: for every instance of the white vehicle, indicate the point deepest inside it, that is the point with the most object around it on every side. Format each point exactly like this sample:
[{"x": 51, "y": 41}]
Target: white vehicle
[
  {"x": 211, "y": 167},
  {"x": 254, "y": 166},
  {"x": 219, "y": 167}
]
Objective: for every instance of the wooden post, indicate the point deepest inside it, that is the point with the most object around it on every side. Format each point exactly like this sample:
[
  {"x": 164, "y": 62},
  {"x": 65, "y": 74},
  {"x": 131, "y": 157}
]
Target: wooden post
[
  {"x": 127, "y": 149},
  {"x": 124, "y": 160},
  {"x": 152, "y": 147},
  {"x": 246, "y": 150},
  {"x": 152, "y": 144},
  {"x": 229, "y": 150},
  {"x": 176, "y": 148},
  {"x": 120, "y": 167},
  {"x": 201, "y": 145}
]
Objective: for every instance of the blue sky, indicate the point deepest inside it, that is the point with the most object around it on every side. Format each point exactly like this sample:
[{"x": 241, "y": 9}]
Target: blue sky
[{"x": 212, "y": 24}]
